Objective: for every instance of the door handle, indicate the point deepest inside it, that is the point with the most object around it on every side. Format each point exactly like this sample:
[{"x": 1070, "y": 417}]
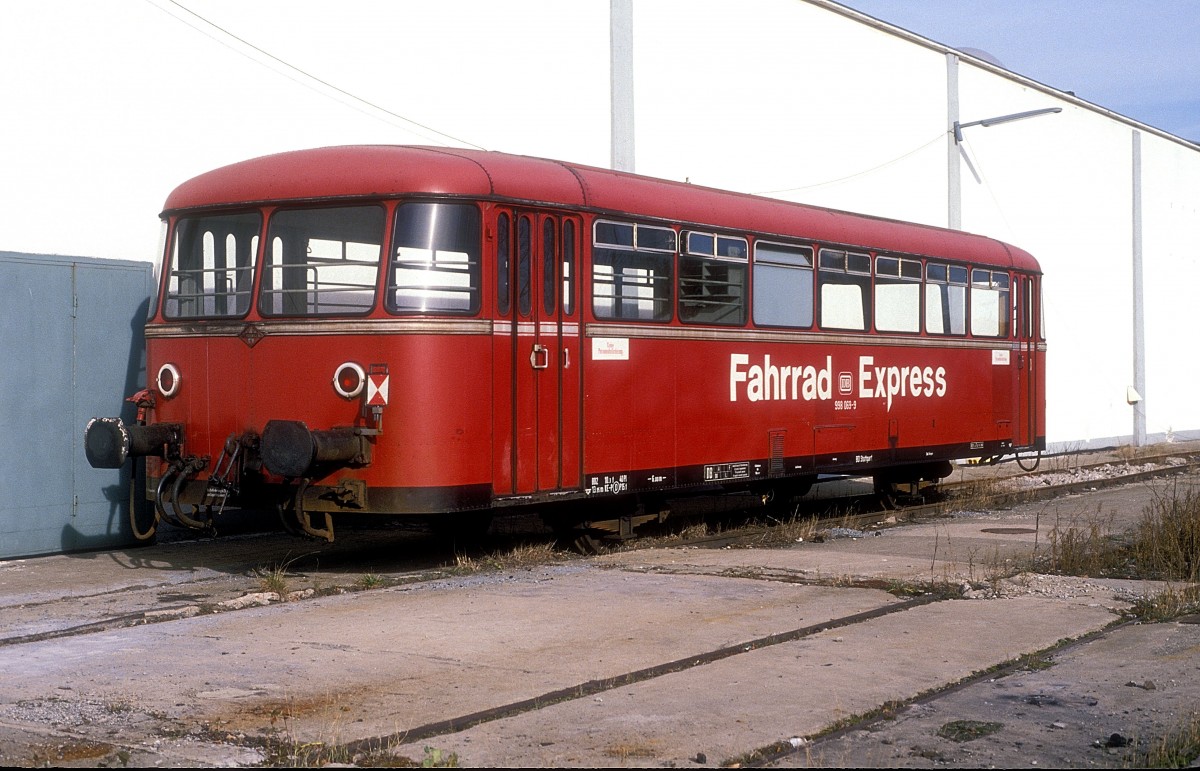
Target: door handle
[{"x": 539, "y": 357}]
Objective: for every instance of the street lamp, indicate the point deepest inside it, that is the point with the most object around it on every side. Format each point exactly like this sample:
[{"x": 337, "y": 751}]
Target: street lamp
[
  {"x": 953, "y": 169},
  {"x": 986, "y": 122}
]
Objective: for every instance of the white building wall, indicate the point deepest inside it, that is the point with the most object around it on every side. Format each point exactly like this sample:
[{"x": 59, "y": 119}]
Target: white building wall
[
  {"x": 1171, "y": 273},
  {"x": 1060, "y": 186},
  {"x": 803, "y": 101},
  {"x": 786, "y": 99}
]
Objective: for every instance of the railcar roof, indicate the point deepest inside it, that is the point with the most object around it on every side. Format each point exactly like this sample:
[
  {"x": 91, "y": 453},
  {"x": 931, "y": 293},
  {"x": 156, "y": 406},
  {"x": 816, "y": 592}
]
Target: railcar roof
[{"x": 387, "y": 171}]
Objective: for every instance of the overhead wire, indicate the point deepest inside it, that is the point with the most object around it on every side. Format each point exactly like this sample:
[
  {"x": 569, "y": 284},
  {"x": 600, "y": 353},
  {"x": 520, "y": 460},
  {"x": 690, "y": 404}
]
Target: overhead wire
[
  {"x": 940, "y": 137},
  {"x": 307, "y": 79}
]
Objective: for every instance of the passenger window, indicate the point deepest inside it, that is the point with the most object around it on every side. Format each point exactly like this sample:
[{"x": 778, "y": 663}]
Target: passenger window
[
  {"x": 524, "y": 266},
  {"x": 503, "y": 283},
  {"x": 989, "y": 303},
  {"x": 568, "y": 268},
  {"x": 845, "y": 281},
  {"x": 945, "y": 299},
  {"x": 435, "y": 265},
  {"x": 897, "y": 294},
  {"x": 632, "y": 271},
  {"x": 783, "y": 285},
  {"x": 712, "y": 279},
  {"x": 549, "y": 263}
]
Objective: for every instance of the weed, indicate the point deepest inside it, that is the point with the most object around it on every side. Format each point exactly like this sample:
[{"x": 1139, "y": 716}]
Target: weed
[
  {"x": 525, "y": 556},
  {"x": 978, "y": 494},
  {"x": 1068, "y": 459},
  {"x": 790, "y": 530},
  {"x": 1166, "y": 542},
  {"x": 905, "y": 589},
  {"x": 1035, "y": 662},
  {"x": 370, "y": 581},
  {"x": 274, "y": 579},
  {"x": 1163, "y": 546},
  {"x": 1178, "y": 749},
  {"x": 1086, "y": 547},
  {"x": 798, "y": 528},
  {"x": 436, "y": 758},
  {"x": 277, "y": 578},
  {"x": 968, "y": 730},
  {"x": 1167, "y": 604},
  {"x": 624, "y": 752}
]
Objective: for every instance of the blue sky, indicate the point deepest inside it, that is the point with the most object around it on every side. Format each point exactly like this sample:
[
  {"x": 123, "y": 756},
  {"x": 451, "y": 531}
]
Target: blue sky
[{"x": 1138, "y": 58}]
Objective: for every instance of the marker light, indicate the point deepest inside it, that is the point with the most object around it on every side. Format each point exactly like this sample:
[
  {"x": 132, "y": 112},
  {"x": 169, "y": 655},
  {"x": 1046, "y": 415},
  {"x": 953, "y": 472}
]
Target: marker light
[
  {"x": 348, "y": 380},
  {"x": 168, "y": 380}
]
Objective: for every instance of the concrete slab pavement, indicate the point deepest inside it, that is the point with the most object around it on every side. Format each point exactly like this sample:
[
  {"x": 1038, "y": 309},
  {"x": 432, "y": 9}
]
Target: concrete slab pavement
[
  {"x": 724, "y": 710},
  {"x": 382, "y": 663}
]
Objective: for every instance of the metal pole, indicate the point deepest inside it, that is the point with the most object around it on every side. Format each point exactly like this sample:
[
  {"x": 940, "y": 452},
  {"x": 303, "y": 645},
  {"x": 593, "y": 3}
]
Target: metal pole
[
  {"x": 1139, "y": 309},
  {"x": 620, "y": 21},
  {"x": 953, "y": 159}
]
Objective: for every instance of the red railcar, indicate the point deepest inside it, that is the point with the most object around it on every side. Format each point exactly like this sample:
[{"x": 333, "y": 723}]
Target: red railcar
[{"x": 426, "y": 331}]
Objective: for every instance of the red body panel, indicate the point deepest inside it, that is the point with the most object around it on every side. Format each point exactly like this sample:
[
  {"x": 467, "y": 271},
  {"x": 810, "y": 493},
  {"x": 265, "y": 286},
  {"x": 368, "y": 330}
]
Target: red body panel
[{"x": 511, "y": 405}]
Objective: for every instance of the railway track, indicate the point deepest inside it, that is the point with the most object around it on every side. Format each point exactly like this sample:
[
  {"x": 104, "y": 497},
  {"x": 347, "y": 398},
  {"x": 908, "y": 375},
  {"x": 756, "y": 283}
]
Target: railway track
[
  {"x": 854, "y": 511},
  {"x": 999, "y": 490}
]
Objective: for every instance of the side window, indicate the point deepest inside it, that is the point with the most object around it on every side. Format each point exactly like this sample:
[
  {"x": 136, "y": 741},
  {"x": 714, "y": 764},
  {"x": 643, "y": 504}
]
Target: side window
[
  {"x": 524, "y": 266},
  {"x": 503, "y": 266},
  {"x": 945, "y": 299},
  {"x": 632, "y": 271},
  {"x": 568, "y": 268},
  {"x": 897, "y": 294},
  {"x": 549, "y": 264},
  {"x": 989, "y": 303},
  {"x": 845, "y": 281},
  {"x": 712, "y": 279},
  {"x": 435, "y": 265},
  {"x": 783, "y": 285}
]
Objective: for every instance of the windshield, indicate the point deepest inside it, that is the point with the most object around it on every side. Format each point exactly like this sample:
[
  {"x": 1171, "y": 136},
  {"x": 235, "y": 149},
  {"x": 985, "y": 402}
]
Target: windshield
[
  {"x": 325, "y": 262},
  {"x": 212, "y": 265},
  {"x": 321, "y": 261}
]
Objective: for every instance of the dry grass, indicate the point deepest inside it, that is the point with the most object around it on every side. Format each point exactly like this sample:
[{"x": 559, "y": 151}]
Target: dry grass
[
  {"x": 1086, "y": 546},
  {"x": 1163, "y": 546},
  {"x": 274, "y": 579},
  {"x": 522, "y": 556},
  {"x": 1177, "y": 749},
  {"x": 792, "y": 529},
  {"x": 626, "y": 751},
  {"x": 1171, "y": 602},
  {"x": 1166, "y": 542}
]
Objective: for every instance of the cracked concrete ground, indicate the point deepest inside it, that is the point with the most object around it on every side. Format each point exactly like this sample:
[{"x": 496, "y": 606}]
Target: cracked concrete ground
[{"x": 540, "y": 658}]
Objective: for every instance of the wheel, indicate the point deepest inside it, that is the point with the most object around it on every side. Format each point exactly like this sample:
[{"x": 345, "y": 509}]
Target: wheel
[
  {"x": 299, "y": 522},
  {"x": 588, "y": 542},
  {"x": 888, "y": 493}
]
